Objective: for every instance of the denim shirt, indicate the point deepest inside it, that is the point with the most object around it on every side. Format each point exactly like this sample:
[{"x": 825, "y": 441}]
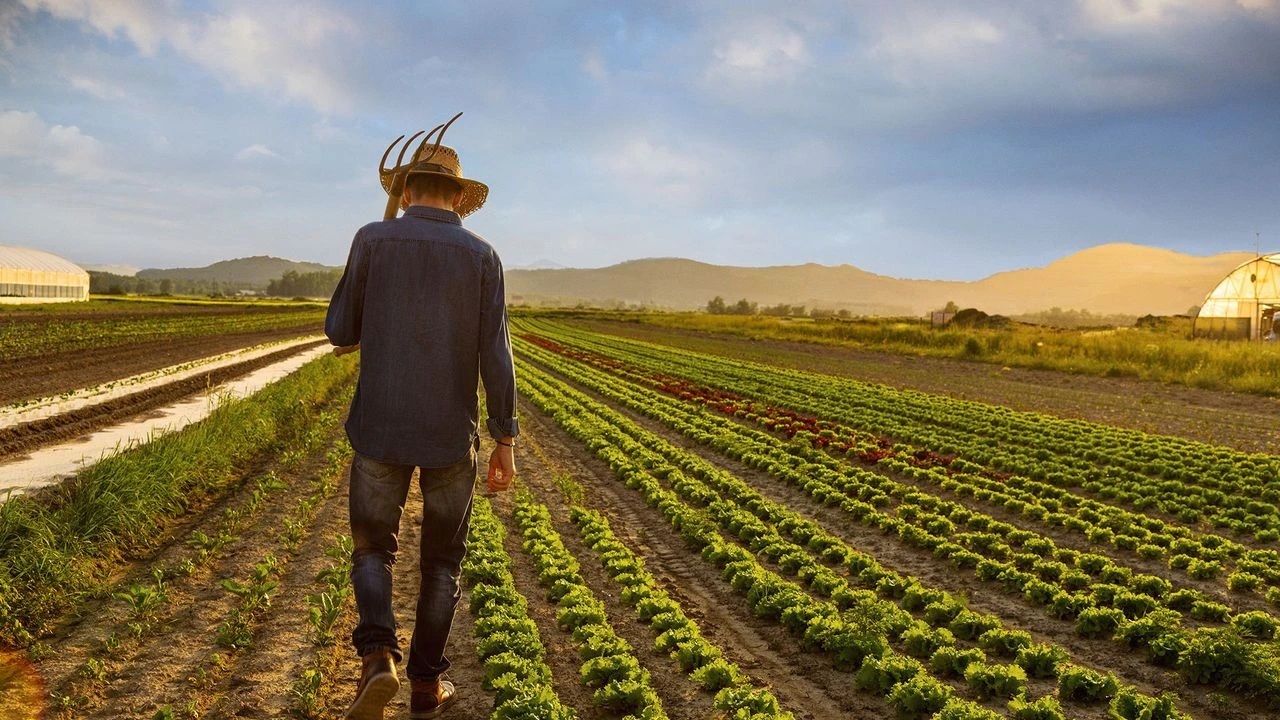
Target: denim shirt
[{"x": 425, "y": 299}]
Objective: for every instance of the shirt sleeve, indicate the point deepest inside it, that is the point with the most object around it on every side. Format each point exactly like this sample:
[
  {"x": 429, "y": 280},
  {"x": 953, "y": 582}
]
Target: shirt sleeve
[
  {"x": 346, "y": 309},
  {"x": 497, "y": 370}
]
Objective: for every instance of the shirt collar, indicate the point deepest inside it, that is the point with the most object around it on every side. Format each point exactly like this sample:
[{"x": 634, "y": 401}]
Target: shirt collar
[{"x": 430, "y": 213}]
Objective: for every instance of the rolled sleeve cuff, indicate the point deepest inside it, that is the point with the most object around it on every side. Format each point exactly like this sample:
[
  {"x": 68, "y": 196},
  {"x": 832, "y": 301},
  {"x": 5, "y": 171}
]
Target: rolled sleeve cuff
[{"x": 502, "y": 427}]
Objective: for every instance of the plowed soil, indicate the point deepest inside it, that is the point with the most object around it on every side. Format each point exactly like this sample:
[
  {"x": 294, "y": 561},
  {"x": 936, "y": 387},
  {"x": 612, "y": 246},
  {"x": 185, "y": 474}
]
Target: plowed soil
[
  {"x": 19, "y": 439},
  {"x": 1246, "y": 422},
  {"x": 52, "y": 374}
]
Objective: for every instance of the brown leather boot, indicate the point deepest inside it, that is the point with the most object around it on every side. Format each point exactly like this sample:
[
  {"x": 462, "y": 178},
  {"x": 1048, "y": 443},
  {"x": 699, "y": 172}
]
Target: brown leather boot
[
  {"x": 378, "y": 684},
  {"x": 430, "y": 698}
]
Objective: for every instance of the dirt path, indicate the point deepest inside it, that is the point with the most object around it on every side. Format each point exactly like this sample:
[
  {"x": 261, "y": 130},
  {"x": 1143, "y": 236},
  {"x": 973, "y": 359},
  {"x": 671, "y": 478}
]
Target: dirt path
[
  {"x": 466, "y": 672},
  {"x": 1246, "y": 422}
]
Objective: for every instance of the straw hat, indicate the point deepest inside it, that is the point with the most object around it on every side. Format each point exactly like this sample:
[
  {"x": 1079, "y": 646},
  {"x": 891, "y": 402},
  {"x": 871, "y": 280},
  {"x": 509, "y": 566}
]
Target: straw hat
[{"x": 435, "y": 159}]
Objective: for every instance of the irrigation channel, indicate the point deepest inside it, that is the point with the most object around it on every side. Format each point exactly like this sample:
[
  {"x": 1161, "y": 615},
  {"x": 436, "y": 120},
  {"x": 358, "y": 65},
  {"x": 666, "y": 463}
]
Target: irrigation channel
[{"x": 43, "y": 442}]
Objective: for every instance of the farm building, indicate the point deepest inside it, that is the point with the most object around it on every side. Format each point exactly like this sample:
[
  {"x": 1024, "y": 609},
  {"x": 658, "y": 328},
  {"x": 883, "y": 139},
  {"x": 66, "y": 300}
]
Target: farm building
[
  {"x": 1244, "y": 304},
  {"x": 30, "y": 276}
]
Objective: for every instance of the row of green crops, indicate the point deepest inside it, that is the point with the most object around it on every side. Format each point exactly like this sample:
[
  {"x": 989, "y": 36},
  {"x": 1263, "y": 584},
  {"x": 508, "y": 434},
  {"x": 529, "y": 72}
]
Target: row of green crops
[
  {"x": 1196, "y": 555},
  {"x": 22, "y": 337},
  {"x": 678, "y": 635},
  {"x": 507, "y": 639},
  {"x": 55, "y": 553},
  {"x": 610, "y": 668},
  {"x": 1137, "y": 610},
  {"x": 1164, "y": 355},
  {"x": 1192, "y": 481},
  {"x": 862, "y": 631}
]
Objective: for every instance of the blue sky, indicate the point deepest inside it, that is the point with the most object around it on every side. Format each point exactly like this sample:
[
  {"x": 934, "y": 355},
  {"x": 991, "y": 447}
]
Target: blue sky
[{"x": 926, "y": 139}]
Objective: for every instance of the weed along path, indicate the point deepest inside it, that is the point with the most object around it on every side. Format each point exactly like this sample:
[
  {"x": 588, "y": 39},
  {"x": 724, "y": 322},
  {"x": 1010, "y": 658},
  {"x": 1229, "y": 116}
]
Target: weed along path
[{"x": 50, "y": 465}]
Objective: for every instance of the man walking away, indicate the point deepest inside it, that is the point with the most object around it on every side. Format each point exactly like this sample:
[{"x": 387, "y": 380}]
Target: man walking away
[{"x": 422, "y": 299}]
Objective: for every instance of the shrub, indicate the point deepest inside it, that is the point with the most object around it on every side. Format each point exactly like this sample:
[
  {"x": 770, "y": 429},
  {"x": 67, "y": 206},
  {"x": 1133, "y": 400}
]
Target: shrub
[
  {"x": 1067, "y": 606},
  {"x": 996, "y": 680},
  {"x": 747, "y": 702},
  {"x": 1075, "y": 580},
  {"x": 1129, "y": 704},
  {"x": 1182, "y": 599},
  {"x": 1098, "y": 622},
  {"x": 1152, "y": 585},
  {"x": 968, "y": 625},
  {"x": 1045, "y": 708},
  {"x": 1132, "y": 604},
  {"x": 943, "y": 611},
  {"x": 879, "y": 674},
  {"x": 1040, "y": 660},
  {"x": 960, "y": 709},
  {"x": 920, "y": 696},
  {"x": 1005, "y": 643},
  {"x": 1084, "y": 685},
  {"x": 921, "y": 641},
  {"x": 1243, "y": 582},
  {"x": 850, "y": 642},
  {"x": 1211, "y": 611},
  {"x": 1256, "y": 625},
  {"x": 951, "y": 661},
  {"x": 717, "y": 674},
  {"x": 1150, "y": 552},
  {"x": 1213, "y": 655},
  {"x": 1141, "y": 632},
  {"x": 1204, "y": 569}
]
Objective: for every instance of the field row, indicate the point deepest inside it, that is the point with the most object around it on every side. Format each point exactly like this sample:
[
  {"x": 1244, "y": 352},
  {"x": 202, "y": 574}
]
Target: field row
[
  {"x": 24, "y": 337},
  {"x": 1101, "y": 597}
]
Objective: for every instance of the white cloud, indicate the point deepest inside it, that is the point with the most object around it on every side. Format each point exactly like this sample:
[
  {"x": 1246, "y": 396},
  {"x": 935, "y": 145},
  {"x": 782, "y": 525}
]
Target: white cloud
[
  {"x": 764, "y": 52},
  {"x": 95, "y": 87},
  {"x": 324, "y": 130},
  {"x": 256, "y": 151},
  {"x": 593, "y": 66},
  {"x": 276, "y": 49},
  {"x": 945, "y": 38},
  {"x": 654, "y": 172},
  {"x": 10, "y": 14},
  {"x": 71, "y": 153},
  {"x": 144, "y": 22},
  {"x": 291, "y": 51}
]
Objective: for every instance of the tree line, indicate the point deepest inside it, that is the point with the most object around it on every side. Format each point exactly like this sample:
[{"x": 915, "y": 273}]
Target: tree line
[
  {"x": 291, "y": 284},
  {"x": 718, "y": 306},
  {"x": 309, "y": 284}
]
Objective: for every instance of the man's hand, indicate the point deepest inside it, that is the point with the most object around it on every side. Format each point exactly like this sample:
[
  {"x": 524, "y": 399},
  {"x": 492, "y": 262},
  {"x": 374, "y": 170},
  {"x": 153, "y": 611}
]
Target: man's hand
[
  {"x": 502, "y": 465},
  {"x": 341, "y": 350}
]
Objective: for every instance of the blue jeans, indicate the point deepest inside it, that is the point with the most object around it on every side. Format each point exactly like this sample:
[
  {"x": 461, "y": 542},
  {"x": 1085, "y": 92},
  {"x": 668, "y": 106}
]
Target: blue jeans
[{"x": 378, "y": 492}]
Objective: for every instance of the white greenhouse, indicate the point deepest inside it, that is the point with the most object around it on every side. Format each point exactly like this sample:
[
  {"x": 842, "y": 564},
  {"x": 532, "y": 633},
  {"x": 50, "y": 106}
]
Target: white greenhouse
[
  {"x": 35, "y": 276},
  {"x": 1244, "y": 304}
]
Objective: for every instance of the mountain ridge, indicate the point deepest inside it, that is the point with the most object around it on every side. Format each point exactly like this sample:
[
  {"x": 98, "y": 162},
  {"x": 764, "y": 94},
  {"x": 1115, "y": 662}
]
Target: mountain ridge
[{"x": 1112, "y": 278}]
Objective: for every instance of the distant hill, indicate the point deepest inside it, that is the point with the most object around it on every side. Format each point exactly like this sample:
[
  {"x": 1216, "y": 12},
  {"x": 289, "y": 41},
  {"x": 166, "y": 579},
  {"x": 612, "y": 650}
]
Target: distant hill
[
  {"x": 1118, "y": 278},
  {"x": 1114, "y": 279},
  {"x": 253, "y": 272}
]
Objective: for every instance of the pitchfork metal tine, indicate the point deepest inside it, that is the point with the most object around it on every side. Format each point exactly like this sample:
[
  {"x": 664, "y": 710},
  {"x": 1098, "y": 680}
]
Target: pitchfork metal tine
[
  {"x": 417, "y": 155},
  {"x": 407, "y": 143},
  {"x": 382, "y": 166},
  {"x": 443, "y": 128}
]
